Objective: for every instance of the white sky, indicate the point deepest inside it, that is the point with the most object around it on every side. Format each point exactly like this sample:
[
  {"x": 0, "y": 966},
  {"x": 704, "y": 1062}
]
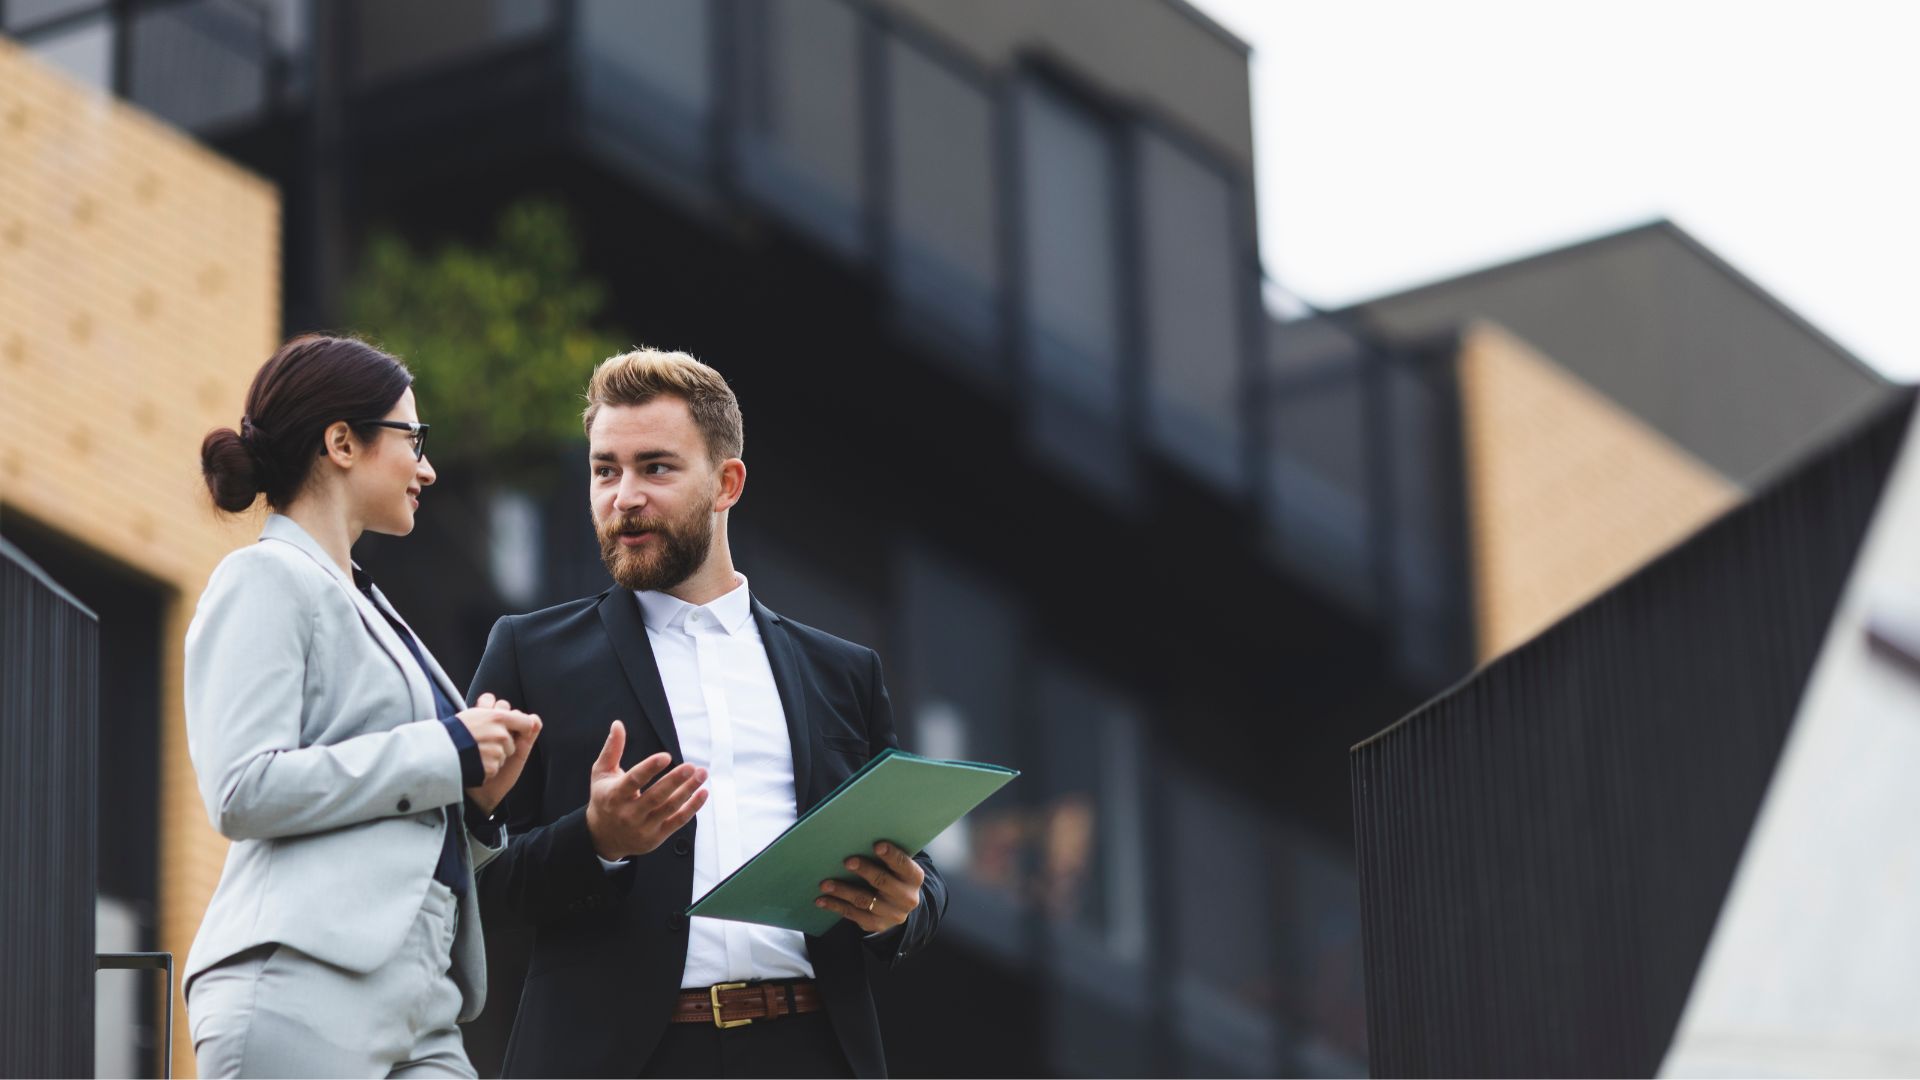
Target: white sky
[{"x": 1401, "y": 142}]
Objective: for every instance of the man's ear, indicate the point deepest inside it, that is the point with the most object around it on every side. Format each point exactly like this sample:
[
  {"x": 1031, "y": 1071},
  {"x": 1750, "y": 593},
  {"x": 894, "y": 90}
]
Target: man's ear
[{"x": 733, "y": 484}]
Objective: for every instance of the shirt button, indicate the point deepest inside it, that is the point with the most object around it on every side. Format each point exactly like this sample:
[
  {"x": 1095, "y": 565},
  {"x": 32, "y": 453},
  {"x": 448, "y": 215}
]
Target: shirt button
[
  {"x": 405, "y": 805},
  {"x": 681, "y": 847}
]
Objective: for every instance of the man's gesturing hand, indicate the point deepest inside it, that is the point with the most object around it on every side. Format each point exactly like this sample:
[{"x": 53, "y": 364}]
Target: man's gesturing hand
[
  {"x": 625, "y": 815},
  {"x": 503, "y": 735},
  {"x": 888, "y": 890}
]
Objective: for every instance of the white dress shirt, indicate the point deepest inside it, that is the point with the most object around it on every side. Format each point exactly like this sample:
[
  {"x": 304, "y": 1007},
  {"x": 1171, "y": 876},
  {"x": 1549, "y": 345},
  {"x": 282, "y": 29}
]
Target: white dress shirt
[{"x": 727, "y": 712}]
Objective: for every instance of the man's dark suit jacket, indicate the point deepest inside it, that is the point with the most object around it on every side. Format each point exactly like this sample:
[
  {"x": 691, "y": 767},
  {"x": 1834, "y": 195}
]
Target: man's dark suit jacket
[{"x": 609, "y": 949}]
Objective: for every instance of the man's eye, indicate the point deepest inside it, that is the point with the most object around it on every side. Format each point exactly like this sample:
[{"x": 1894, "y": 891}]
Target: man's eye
[
  {"x": 660, "y": 466},
  {"x": 602, "y": 472}
]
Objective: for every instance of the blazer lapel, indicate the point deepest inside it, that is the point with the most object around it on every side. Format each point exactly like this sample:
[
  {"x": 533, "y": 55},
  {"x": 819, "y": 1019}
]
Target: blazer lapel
[
  {"x": 286, "y": 530},
  {"x": 785, "y": 661},
  {"x": 620, "y": 614},
  {"x": 434, "y": 670}
]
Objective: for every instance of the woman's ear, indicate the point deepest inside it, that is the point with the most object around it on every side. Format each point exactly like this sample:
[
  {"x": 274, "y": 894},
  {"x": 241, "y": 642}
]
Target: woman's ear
[{"x": 338, "y": 444}]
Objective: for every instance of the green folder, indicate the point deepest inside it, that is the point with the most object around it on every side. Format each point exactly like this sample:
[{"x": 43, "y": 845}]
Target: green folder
[{"x": 899, "y": 797}]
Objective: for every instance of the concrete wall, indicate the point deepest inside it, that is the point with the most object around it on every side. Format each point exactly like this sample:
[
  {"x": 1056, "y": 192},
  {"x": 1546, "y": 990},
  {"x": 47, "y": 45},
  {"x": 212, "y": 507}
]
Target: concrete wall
[{"x": 139, "y": 292}]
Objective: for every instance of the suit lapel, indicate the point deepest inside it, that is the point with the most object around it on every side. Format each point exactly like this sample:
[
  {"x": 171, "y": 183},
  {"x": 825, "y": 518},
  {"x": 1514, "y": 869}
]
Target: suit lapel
[
  {"x": 785, "y": 662},
  {"x": 620, "y": 614}
]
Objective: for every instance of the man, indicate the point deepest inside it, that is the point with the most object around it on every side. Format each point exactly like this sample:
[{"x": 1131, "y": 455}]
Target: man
[{"x": 686, "y": 727}]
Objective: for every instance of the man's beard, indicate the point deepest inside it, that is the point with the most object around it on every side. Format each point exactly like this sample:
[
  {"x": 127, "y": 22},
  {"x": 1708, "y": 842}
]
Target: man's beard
[{"x": 670, "y": 557}]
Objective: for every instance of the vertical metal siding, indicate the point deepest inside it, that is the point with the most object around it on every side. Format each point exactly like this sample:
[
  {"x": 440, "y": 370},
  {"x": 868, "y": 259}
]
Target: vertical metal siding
[
  {"x": 1544, "y": 849},
  {"x": 49, "y": 678}
]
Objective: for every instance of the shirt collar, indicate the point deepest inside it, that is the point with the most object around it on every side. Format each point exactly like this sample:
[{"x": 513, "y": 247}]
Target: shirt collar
[{"x": 729, "y": 612}]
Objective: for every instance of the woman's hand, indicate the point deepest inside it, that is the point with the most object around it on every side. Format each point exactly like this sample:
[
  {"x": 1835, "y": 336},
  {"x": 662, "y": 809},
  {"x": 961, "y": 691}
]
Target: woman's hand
[{"x": 504, "y": 736}]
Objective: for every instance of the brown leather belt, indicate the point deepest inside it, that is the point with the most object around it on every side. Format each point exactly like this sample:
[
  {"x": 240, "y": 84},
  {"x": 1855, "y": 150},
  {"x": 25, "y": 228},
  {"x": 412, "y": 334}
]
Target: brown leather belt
[{"x": 730, "y": 1005}]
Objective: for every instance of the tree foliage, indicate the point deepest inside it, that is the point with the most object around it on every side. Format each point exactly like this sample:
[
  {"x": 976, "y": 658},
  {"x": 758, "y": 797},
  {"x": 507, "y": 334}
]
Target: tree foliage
[{"x": 501, "y": 339}]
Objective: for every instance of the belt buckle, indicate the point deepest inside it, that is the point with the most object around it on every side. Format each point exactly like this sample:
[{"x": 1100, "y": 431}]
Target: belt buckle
[{"x": 713, "y": 995}]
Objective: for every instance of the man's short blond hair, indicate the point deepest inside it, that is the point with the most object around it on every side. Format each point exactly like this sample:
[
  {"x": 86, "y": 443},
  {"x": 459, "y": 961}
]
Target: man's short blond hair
[{"x": 637, "y": 377}]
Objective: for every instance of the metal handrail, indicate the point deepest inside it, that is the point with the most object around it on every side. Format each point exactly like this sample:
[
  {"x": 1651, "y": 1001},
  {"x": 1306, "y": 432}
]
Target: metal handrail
[{"x": 159, "y": 961}]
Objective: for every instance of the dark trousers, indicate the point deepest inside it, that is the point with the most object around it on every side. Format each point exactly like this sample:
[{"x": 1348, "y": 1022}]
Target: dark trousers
[{"x": 799, "y": 1045}]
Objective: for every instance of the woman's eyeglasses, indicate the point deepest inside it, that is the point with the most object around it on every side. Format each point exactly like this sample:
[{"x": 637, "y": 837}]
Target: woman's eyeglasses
[{"x": 416, "y": 432}]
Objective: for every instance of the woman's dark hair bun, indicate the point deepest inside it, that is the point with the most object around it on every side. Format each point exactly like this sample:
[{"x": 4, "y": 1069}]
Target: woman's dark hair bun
[{"x": 231, "y": 470}]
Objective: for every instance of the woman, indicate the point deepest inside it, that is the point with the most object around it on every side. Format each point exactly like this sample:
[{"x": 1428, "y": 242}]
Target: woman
[{"x": 343, "y": 938}]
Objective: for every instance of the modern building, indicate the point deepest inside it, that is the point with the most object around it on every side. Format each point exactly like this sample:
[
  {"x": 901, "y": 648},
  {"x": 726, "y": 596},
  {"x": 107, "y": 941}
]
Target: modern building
[{"x": 984, "y": 277}]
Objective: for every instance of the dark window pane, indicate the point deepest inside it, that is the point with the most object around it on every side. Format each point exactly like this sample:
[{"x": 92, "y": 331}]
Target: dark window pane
[
  {"x": 1070, "y": 255},
  {"x": 1427, "y": 566},
  {"x": 1070, "y": 252},
  {"x": 201, "y": 65},
  {"x": 962, "y": 648},
  {"x": 1225, "y": 985},
  {"x": 392, "y": 40},
  {"x": 644, "y": 75},
  {"x": 1091, "y": 882},
  {"x": 1319, "y": 445},
  {"x": 945, "y": 229},
  {"x": 23, "y": 15},
  {"x": 1322, "y": 971},
  {"x": 1196, "y": 294},
  {"x": 84, "y": 50},
  {"x": 800, "y": 106}
]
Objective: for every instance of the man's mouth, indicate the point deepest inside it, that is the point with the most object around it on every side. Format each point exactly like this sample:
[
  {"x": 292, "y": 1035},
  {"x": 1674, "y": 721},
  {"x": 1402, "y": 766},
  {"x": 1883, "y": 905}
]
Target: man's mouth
[{"x": 635, "y": 539}]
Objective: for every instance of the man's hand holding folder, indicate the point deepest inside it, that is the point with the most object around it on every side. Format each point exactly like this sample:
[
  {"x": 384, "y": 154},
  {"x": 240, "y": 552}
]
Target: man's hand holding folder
[
  {"x": 894, "y": 806},
  {"x": 891, "y": 892}
]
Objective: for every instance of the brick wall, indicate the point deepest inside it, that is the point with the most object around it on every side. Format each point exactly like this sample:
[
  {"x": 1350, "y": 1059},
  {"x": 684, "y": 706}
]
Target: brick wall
[{"x": 139, "y": 291}]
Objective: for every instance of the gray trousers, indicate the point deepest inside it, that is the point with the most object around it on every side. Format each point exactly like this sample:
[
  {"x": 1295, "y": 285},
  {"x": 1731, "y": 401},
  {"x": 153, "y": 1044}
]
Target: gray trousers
[{"x": 275, "y": 1011}]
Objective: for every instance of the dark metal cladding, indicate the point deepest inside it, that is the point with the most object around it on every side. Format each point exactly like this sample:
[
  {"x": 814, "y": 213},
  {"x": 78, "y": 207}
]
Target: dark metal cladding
[
  {"x": 1543, "y": 850},
  {"x": 48, "y": 710}
]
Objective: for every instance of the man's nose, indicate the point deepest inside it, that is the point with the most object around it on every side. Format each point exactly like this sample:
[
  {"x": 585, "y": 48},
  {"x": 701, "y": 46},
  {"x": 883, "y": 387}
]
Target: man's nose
[{"x": 630, "y": 496}]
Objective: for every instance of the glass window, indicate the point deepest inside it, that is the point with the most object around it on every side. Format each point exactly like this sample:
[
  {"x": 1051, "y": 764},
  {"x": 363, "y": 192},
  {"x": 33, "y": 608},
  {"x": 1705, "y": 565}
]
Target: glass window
[
  {"x": 1070, "y": 253},
  {"x": 1197, "y": 296},
  {"x": 644, "y": 74},
  {"x": 1225, "y": 979},
  {"x": 82, "y": 49},
  {"x": 290, "y": 27},
  {"x": 391, "y": 40},
  {"x": 1320, "y": 440},
  {"x": 962, "y": 699},
  {"x": 1090, "y": 881},
  {"x": 203, "y": 65},
  {"x": 1428, "y": 568},
  {"x": 1323, "y": 969},
  {"x": 945, "y": 228},
  {"x": 21, "y": 16},
  {"x": 799, "y": 64}
]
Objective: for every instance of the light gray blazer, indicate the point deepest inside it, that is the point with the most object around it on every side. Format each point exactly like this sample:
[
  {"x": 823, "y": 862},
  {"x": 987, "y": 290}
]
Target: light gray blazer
[{"x": 313, "y": 734}]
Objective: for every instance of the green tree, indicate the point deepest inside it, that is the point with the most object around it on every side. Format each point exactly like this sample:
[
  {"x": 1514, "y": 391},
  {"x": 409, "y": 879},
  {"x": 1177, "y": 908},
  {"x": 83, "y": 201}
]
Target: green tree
[{"x": 501, "y": 339}]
